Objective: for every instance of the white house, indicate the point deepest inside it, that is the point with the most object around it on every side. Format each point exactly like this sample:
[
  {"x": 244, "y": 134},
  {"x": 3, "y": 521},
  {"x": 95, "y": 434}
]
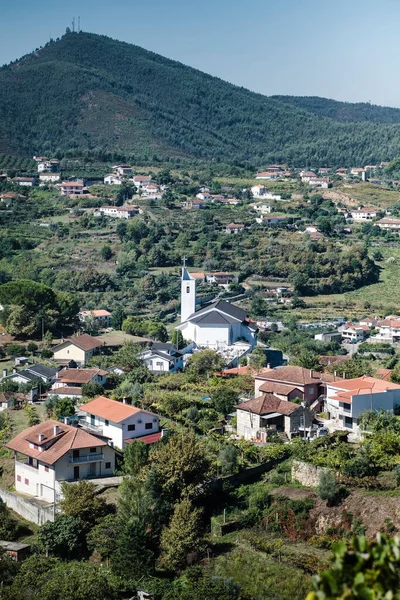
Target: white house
[
  {"x": 389, "y": 223},
  {"x": 49, "y": 177},
  {"x": 25, "y": 181},
  {"x": 123, "y": 170},
  {"x": 78, "y": 349},
  {"x": 216, "y": 326},
  {"x": 11, "y": 399},
  {"x": 320, "y": 182},
  {"x": 220, "y": 278},
  {"x": 258, "y": 191},
  {"x": 267, "y": 175},
  {"x": 234, "y": 228},
  {"x": 354, "y": 333},
  {"x": 389, "y": 331},
  {"x": 72, "y": 380},
  {"x": 306, "y": 176},
  {"x": 71, "y": 187},
  {"x": 52, "y": 452},
  {"x": 162, "y": 358},
  {"x": 347, "y": 399},
  {"x": 118, "y": 421},
  {"x": 141, "y": 181},
  {"x": 363, "y": 214},
  {"x": 119, "y": 212},
  {"x": 112, "y": 179},
  {"x": 101, "y": 316}
]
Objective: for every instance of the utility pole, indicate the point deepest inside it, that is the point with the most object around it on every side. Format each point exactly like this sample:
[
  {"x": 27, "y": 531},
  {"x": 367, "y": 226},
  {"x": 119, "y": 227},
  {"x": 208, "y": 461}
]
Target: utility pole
[
  {"x": 79, "y": 24},
  {"x": 73, "y": 24}
]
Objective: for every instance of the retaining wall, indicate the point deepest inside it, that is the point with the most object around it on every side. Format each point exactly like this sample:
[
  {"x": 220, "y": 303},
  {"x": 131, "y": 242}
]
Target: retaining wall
[
  {"x": 307, "y": 474},
  {"x": 29, "y": 509}
]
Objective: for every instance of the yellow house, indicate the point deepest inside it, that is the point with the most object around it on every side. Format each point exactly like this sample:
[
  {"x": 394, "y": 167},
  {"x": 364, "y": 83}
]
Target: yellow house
[{"x": 79, "y": 349}]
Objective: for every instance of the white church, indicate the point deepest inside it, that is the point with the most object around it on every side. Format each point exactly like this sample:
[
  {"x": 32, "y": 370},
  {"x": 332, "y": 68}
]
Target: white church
[{"x": 217, "y": 326}]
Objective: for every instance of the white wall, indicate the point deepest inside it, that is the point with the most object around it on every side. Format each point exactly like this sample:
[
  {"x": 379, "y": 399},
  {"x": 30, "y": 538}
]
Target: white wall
[
  {"x": 118, "y": 432},
  {"x": 247, "y": 424}
]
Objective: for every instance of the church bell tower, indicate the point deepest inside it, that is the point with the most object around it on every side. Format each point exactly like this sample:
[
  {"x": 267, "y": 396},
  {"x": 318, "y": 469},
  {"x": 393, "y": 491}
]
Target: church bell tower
[{"x": 188, "y": 294}]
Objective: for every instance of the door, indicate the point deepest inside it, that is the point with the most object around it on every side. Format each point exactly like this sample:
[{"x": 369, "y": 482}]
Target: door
[
  {"x": 76, "y": 472},
  {"x": 92, "y": 470}
]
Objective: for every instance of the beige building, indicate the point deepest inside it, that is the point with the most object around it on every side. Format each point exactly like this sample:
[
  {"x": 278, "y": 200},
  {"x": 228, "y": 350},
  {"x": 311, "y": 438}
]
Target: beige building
[{"x": 79, "y": 350}]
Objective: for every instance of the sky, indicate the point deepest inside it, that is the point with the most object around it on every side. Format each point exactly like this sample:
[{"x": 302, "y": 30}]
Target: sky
[{"x": 342, "y": 49}]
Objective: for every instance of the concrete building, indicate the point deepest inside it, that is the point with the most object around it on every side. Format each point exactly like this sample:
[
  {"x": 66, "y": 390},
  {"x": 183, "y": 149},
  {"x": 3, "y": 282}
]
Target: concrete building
[
  {"x": 79, "y": 349},
  {"x": 117, "y": 421},
  {"x": 52, "y": 452}
]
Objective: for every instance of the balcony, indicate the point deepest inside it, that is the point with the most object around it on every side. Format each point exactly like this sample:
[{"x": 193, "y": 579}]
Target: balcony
[
  {"x": 90, "y": 427},
  {"x": 86, "y": 458},
  {"x": 26, "y": 466}
]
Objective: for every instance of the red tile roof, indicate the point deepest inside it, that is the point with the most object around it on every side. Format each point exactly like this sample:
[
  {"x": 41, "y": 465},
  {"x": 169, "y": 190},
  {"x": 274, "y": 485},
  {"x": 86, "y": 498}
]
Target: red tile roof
[
  {"x": 152, "y": 438},
  {"x": 54, "y": 446},
  {"x": 84, "y": 342},
  {"x": 294, "y": 375},
  {"x": 273, "y": 387},
  {"x": 268, "y": 403},
  {"x": 111, "y": 409},
  {"x": 79, "y": 375}
]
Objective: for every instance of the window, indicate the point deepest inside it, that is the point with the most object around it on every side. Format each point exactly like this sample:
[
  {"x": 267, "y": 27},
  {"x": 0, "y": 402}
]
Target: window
[
  {"x": 346, "y": 406},
  {"x": 46, "y": 469},
  {"x": 188, "y": 289},
  {"x": 26, "y": 481},
  {"x": 18, "y": 477},
  {"x": 75, "y": 453},
  {"x": 108, "y": 465},
  {"x": 106, "y": 422},
  {"x": 131, "y": 427},
  {"x": 93, "y": 450},
  {"x": 311, "y": 390},
  {"x": 148, "y": 426}
]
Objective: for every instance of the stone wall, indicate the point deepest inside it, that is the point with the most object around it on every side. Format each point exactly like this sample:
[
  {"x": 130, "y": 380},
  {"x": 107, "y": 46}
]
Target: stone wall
[
  {"x": 307, "y": 474},
  {"x": 34, "y": 511}
]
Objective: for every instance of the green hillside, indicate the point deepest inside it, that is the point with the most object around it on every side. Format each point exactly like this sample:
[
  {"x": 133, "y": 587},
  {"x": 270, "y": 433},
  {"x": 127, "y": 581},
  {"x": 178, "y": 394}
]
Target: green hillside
[
  {"x": 343, "y": 111},
  {"x": 87, "y": 92}
]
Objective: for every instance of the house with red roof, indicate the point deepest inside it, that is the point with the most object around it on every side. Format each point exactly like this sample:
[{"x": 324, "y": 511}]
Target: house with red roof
[
  {"x": 52, "y": 452},
  {"x": 347, "y": 399},
  {"x": 260, "y": 417},
  {"x": 119, "y": 422}
]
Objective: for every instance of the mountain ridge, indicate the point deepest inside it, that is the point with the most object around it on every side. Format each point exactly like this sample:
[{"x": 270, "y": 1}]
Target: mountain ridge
[{"x": 90, "y": 93}]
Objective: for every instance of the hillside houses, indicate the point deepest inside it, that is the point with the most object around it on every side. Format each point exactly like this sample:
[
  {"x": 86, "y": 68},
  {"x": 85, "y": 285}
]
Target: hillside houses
[
  {"x": 78, "y": 349},
  {"x": 52, "y": 452},
  {"x": 389, "y": 224},
  {"x": 69, "y": 188},
  {"x": 120, "y": 212},
  {"x": 364, "y": 214}
]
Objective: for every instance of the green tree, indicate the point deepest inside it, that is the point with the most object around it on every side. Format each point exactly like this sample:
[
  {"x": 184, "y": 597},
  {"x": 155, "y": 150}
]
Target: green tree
[
  {"x": 102, "y": 538},
  {"x": 177, "y": 339},
  {"x": 258, "y": 358},
  {"x": 228, "y": 459},
  {"x": 132, "y": 557},
  {"x": 117, "y": 317},
  {"x": 135, "y": 457},
  {"x": 327, "y": 487},
  {"x": 92, "y": 389},
  {"x": 205, "y": 363},
  {"x": 180, "y": 464},
  {"x": 362, "y": 569},
  {"x": 225, "y": 400},
  {"x": 183, "y": 535},
  {"x": 65, "y": 407},
  {"x": 8, "y": 525},
  {"x": 63, "y": 538},
  {"x": 81, "y": 501},
  {"x": 106, "y": 252}
]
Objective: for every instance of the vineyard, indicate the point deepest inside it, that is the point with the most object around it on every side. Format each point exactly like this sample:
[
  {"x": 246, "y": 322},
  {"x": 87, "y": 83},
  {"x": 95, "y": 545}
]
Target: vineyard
[{"x": 20, "y": 165}]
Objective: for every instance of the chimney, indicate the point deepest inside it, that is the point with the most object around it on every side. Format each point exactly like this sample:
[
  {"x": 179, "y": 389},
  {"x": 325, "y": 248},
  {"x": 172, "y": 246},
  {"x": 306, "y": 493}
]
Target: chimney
[
  {"x": 344, "y": 375},
  {"x": 268, "y": 365},
  {"x": 15, "y": 370},
  {"x": 41, "y": 437},
  {"x": 56, "y": 430},
  {"x": 5, "y": 372},
  {"x": 124, "y": 401}
]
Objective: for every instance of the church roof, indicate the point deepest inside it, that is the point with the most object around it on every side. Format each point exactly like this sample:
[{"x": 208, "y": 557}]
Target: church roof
[
  {"x": 213, "y": 318},
  {"x": 232, "y": 313},
  {"x": 185, "y": 274}
]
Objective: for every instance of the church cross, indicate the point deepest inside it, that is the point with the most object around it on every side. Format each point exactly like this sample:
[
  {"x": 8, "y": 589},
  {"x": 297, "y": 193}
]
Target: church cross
[{"x": 184, "y": 261}]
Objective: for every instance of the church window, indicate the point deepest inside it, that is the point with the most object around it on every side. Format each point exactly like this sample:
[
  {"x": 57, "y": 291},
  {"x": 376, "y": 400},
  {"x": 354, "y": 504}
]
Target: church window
[{"x": 188, "y": 289}]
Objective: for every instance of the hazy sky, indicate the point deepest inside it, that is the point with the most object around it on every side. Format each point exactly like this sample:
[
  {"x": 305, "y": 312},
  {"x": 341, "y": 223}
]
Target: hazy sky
[{"x": 342, "y": 49}]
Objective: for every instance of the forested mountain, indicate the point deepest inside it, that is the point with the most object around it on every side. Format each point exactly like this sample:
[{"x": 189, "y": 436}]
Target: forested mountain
[
  {"x": 87, "y": 92},
  {"x": 343, "y": 111}
]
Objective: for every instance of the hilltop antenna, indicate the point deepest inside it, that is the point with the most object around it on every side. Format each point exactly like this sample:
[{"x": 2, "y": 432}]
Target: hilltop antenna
[
  {"x": 73, "y": 24},
  {"x": 79, "y": 24}
]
